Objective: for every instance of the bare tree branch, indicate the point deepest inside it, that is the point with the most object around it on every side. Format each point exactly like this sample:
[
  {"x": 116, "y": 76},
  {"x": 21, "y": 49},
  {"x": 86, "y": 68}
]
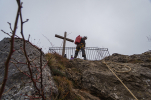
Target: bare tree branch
[
  {"x": 41, "y": 71},
  {"x": 11, "y": 51},
  {"x": 9, "y": 34},
  {"x": 48, "y": 40},
  {"x": 24, "y": 48},
  {"x": 26, "y": 21},
  {"x": 10, "y": 26},
  {"x": 6, "y": 33}
]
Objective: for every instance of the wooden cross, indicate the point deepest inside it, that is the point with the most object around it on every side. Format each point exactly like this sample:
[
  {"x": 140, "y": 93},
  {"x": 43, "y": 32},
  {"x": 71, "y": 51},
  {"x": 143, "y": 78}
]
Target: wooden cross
[{"x": 64, "y": 41}]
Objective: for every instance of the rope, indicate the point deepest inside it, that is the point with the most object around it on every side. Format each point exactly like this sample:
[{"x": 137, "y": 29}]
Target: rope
[{"x": 120, "y": 81}]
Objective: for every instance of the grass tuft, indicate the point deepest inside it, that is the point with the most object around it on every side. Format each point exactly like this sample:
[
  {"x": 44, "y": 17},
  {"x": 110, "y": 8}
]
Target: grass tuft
[{"x": 58, "y": 65}]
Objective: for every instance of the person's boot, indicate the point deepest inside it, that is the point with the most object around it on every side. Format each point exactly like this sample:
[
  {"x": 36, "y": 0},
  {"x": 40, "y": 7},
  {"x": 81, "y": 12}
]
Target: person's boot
[
  {"x": 76, "y": 54},
  {"x": 85, "y": 57}
]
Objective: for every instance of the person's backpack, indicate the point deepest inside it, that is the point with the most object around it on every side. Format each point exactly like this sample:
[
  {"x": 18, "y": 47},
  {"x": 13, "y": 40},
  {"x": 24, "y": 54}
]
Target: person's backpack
[{"x": 78, "y": 39}]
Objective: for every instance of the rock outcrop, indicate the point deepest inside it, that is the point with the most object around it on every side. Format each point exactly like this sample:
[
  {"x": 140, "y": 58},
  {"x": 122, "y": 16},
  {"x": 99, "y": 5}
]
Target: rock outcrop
[
  {"x": 19, "y": 85},
  {"x": 94, "y": 76},
  {"x": 92, "y": 80}
]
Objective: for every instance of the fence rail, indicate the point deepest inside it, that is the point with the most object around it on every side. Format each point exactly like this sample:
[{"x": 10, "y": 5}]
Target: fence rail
[{"x": 92, "y": 53}]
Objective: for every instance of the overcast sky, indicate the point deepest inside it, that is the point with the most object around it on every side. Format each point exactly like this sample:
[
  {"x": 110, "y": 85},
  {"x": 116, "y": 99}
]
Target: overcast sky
[{"x": 122, "y": 26}]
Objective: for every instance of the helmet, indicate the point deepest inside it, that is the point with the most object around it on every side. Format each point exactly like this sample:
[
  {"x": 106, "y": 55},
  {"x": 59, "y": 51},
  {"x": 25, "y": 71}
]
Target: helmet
[{"x": 85, "y": 37}]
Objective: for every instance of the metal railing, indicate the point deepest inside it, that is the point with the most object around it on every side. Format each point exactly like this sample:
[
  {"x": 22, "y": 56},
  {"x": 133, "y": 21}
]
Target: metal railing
[{"x": 92, "y": 53}]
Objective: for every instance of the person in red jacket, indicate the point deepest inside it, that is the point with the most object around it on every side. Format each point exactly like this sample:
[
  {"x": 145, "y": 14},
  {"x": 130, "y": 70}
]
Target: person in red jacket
[{"x": 81, "y": 46}]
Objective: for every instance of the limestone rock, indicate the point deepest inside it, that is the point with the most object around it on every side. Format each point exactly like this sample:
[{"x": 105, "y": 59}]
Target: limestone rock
[
  {"x": 84, "y": 95},
  {"x": 136, "y": 58},
  {"x": 19, "y": 85},
  {"x": 95, "y": 76}
]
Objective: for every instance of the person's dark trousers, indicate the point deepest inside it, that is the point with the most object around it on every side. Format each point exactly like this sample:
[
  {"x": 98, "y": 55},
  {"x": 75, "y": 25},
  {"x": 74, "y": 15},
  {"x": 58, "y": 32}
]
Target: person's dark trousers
[
  {"x": 83, "y": 53},
  {"x": 77, "y": 50},
  {"x": 78, "y": 47}
]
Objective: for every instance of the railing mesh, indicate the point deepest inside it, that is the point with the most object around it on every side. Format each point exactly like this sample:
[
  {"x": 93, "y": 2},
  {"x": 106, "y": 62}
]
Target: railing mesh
[{"x": 92, "y": 53}]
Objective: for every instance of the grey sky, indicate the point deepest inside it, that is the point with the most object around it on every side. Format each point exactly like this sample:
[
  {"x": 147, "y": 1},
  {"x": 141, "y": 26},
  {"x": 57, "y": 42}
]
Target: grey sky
[{"x": 119, "y": 25}]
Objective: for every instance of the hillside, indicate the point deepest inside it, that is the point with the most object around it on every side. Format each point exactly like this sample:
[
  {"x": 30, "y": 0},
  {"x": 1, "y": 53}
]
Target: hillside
[
  {"x": 94, "y": 80},
  {"x": 116, "y": 77}
]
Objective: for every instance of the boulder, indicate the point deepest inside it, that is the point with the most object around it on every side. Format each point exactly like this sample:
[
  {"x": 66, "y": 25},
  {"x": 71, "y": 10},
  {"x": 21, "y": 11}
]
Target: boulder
[{"x": 19, "y": 85}]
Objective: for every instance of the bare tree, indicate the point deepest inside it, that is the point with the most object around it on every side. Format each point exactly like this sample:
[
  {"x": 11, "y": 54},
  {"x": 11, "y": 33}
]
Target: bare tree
[
  {"x": 30, "y": 75},
  {"x": 11, "y": 50}
]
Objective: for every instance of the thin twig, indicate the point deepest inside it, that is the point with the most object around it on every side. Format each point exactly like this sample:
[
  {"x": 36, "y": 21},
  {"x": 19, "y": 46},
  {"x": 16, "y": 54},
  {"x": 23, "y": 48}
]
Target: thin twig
[
  {"x": 21, "y": 70},
  {"x": 33, "y": 59},
  {"x": 26, "y": 21},
  {"x": 8, "y": 90},
  {"x": 47, "y": 62},
  {"x": 6, "y": 33},
  {"x": 48, "y": 40},
  {"x": 9, "y": 34},
  {"x": 18, "y": 62},
  {"x": 10, "y": 26}
]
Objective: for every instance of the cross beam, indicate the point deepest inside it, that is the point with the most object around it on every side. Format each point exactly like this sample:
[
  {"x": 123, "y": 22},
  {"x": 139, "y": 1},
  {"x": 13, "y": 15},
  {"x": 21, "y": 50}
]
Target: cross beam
[{"x": 64, "y": 41}]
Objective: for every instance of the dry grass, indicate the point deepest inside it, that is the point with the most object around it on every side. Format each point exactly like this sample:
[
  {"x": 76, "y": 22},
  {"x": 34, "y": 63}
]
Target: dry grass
[
  {"x": 64, "y": 86},
  {"x": 57, "y": 61},
  {"x": 58, "y": 65}
]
